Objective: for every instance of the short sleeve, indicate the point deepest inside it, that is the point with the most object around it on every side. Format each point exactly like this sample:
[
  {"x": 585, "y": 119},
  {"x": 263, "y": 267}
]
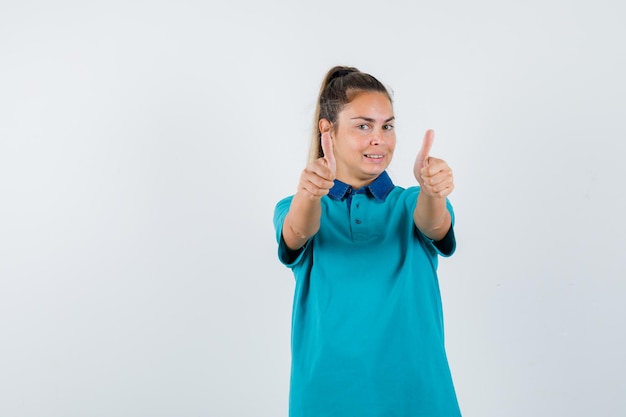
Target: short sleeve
[
  {"x": 446, "y": 246},
  {"x": 286, "y": 256}
]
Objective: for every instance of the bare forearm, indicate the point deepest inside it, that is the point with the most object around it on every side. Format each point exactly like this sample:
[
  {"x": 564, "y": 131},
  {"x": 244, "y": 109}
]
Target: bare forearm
[
  {"x": 431, "y": 216},
  {"x": 302, "y": 220}
]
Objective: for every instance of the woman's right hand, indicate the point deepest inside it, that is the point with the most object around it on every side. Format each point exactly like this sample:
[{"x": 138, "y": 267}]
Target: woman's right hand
[{"x": 317, "y": 178}]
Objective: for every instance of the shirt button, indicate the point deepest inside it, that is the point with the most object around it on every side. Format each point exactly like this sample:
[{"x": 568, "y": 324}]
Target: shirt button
[{"x": 357, "y": 221}]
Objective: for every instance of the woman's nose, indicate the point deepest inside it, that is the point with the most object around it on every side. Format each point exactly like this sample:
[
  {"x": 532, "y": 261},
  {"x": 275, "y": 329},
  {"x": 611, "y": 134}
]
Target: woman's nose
[{"x": 376, "y": 138}]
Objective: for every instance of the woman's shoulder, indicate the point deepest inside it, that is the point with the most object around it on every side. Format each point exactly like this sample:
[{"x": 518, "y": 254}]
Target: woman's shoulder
[
  {"x": 282, "y": 206},
  {"x": 284, "y": 200},
  {"x": 399, "y": 192}
]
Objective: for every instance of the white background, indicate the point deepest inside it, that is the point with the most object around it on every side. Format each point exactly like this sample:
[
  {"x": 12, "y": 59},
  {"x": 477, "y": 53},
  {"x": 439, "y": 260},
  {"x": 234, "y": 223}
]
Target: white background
[{"x": 143, "y": 145}]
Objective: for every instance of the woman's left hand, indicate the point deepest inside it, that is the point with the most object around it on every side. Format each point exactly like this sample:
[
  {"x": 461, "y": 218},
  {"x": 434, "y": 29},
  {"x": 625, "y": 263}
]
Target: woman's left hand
[{"x": 433, "y": 174}]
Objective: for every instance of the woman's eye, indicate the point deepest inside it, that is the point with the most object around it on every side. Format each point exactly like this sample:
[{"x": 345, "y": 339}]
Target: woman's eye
[
  {"x": 362, "y": 127},
  {"x": 388, "y": 127}
]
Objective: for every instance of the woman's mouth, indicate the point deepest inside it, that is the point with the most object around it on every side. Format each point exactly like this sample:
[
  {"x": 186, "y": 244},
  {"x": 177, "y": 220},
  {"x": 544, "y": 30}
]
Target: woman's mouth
[{"x": 374, "y": 156}]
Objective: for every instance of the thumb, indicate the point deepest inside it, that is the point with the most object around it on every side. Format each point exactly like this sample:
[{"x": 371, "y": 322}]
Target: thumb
[
  {"x": 329, "y": 155},
  {"x": 424, "y": 152}
]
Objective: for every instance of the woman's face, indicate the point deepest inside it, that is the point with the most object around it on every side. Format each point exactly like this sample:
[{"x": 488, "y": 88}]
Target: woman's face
[{"x": 364, "y": 138}]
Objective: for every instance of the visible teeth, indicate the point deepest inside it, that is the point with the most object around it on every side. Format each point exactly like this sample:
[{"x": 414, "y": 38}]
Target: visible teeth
[{"x": 374, "y": 156}]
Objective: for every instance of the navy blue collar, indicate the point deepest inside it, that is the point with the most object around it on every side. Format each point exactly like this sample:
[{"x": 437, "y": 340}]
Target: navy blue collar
[{"x": 379, "y": 188}]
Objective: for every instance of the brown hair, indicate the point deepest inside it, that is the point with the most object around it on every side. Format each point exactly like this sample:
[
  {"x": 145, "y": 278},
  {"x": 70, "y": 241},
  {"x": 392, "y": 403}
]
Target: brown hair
[{"x": 339, "y": 88}]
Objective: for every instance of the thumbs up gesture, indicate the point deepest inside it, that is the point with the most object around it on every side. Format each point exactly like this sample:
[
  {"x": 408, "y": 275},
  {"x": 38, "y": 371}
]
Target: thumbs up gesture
[
  {"x": 329, "y": 154},
  {"x": 433, "y": 174},
  {"x": 317, "y": 178}
]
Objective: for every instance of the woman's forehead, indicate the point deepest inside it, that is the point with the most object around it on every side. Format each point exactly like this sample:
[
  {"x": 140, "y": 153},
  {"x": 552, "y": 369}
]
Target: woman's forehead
[{"x": 368, "y": 103}]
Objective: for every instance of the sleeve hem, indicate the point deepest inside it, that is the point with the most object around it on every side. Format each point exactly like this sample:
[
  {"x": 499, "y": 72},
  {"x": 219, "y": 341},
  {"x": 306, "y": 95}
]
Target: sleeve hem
[
  {"x": 288, "y": 256},
  {"x": 447, "y": 245}
]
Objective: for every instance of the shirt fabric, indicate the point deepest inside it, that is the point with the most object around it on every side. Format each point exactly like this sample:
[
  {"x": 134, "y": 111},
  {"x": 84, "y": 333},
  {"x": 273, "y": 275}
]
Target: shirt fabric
[{"x": 367, "y": 322}]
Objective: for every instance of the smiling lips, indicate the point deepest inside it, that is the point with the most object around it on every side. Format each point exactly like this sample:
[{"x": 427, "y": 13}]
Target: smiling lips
[{"x": 374, "y": 156}]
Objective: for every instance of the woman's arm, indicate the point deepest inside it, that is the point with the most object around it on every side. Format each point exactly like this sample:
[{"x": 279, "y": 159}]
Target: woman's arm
[
  {"x": 436, "y": 181},
  {"x": 303, "y": 219}
]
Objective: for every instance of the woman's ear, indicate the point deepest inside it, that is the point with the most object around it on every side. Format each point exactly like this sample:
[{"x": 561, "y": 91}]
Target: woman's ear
[{"x": 325, "y": 125}]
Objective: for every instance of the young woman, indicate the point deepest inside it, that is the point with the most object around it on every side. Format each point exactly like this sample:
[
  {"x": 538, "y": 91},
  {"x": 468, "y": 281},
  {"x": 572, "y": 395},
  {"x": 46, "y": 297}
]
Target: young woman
[{"x": 367, "y": 325}]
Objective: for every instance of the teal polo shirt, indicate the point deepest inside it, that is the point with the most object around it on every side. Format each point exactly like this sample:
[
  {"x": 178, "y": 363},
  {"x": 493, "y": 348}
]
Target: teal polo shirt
[{"x": 367, "y": 324}]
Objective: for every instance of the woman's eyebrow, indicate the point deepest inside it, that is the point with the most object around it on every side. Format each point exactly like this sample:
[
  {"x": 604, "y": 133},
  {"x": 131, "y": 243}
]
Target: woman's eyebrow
[{"x": 369, "y": 119}]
